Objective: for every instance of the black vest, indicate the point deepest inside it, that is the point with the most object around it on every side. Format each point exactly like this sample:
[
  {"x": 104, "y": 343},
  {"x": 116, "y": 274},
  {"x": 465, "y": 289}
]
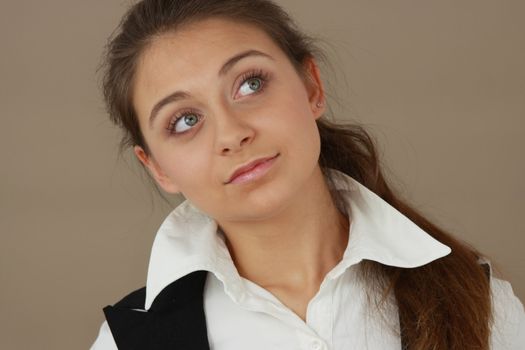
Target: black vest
[{"x": 175, "y": 320}]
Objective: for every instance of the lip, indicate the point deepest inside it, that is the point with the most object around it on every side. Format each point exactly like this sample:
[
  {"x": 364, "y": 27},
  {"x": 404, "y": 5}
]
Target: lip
[{"x": 252, "y": 170}]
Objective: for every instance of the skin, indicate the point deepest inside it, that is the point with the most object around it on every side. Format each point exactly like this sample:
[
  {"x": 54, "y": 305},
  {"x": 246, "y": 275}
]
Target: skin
[{"x": 283, "y": 230}]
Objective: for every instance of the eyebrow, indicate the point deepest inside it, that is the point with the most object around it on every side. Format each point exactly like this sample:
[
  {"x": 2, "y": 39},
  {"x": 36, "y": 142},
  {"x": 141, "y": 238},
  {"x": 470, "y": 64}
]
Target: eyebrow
[{"x": 180, "y": 95}]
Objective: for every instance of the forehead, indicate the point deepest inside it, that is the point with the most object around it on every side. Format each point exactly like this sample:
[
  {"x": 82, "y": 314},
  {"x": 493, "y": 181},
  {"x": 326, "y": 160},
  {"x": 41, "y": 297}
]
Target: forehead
[
  {"x": 193, "y": 54},
  {"x": 203, "y": 43},
  {"x": 215, "y": 31}
]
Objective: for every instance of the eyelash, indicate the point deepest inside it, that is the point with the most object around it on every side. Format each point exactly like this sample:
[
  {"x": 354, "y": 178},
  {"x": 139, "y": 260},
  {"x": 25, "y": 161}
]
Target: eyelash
[
  {"x": 256, "y": 73},
  {"x": 173, "y": 124}
]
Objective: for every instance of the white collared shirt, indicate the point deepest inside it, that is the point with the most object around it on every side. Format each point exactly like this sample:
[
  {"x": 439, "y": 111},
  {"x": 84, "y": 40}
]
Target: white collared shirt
[{"x": 242, "y": 315}]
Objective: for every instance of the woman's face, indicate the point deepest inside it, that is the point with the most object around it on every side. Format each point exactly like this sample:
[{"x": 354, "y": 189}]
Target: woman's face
[{"x": 217, "y": 95}]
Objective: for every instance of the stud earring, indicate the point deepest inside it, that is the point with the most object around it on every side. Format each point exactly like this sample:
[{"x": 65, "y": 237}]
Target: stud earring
[{"x": 319, "y": 104}]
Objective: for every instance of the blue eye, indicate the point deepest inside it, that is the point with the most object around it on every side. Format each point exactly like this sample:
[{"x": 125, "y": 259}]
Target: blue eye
[
  {"x": 184, "y": 122},
  {"x": 253, "y": 82},
  {"x": 250, "y": 86}
]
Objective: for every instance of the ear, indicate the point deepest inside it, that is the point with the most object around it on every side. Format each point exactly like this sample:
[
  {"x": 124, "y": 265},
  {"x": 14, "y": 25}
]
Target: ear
[
  {"x": 162, "y": 179},
  {"x": 314, "y": 87}
]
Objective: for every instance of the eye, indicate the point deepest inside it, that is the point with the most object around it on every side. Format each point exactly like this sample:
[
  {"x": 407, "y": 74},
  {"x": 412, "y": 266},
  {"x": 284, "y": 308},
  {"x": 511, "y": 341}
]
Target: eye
[
  {"x": 253, "y": 82},
  {"x": 184, "y": 122},
  {"x": 250, "y": 86}
]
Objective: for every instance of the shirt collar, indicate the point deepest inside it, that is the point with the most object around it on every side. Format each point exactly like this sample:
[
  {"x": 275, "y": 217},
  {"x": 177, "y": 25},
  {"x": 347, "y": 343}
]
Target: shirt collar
[
  {"x": 381, "y": 233},
  {"x": 188, "y": 240}
]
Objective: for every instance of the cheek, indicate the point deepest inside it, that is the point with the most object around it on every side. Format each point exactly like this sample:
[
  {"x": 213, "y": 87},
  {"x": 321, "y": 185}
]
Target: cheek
[
  {"x": 295, "y": 102},
  {"x": 296, "y": 117},
  {"x": 301, "y": 127},
  {"x": 186, "y": 165}
]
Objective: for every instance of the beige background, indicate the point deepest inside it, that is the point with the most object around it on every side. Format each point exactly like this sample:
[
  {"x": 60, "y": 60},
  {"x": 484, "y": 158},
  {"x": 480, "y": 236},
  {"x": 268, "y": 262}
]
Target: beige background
[{"x": 441, "y": 84}]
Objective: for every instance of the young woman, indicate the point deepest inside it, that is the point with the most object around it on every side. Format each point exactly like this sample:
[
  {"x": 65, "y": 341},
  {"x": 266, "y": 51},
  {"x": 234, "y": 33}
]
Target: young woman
[{"x": 290, "y": 237}]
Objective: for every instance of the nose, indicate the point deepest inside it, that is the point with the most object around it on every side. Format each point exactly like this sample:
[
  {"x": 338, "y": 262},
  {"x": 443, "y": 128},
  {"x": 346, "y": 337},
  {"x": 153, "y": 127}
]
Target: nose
[{"x": 233, "y": 133}]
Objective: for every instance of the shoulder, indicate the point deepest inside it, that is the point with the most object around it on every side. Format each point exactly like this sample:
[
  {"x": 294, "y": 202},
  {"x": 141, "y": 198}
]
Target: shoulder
[
  {"x": 508, "y": 328},
  {"x": 134, "y": 301},
  {"x": 177, "y": 309},
  {"x": 104, "y": 339}
]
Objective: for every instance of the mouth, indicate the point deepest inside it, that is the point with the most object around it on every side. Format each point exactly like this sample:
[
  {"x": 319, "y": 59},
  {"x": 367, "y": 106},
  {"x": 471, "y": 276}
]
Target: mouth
[{"x": 252, "y": 170}]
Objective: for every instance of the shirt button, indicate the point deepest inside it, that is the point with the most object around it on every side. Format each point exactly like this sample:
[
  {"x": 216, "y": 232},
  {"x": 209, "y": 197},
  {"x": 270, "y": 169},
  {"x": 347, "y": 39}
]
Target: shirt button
[{"x": 316, "y": 345}]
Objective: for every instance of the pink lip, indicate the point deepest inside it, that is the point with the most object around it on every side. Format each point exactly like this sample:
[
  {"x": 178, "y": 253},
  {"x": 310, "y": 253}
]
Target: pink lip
[{"x": 252, "y": 170}]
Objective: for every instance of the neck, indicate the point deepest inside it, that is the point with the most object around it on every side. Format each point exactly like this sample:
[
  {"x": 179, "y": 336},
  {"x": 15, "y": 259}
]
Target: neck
[{"x": 296, "y": 248}]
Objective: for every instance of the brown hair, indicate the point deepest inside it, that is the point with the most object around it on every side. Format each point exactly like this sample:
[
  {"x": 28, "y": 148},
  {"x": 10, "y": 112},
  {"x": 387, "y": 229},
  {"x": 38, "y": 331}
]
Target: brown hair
[{"x": 442, "y": 305}]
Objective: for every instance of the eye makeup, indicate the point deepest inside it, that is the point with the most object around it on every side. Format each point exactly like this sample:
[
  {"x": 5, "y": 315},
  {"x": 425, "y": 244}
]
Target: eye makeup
[{"x": 259, "y": 77}]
